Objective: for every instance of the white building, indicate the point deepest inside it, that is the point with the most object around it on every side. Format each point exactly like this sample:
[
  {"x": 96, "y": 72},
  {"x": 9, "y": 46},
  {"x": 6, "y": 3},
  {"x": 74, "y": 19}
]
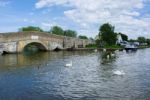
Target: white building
[{"x": 119, "y": 39}]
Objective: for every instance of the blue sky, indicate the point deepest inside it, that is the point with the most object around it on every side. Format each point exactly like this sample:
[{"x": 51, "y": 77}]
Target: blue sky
[{"x": 131, "y": 17}]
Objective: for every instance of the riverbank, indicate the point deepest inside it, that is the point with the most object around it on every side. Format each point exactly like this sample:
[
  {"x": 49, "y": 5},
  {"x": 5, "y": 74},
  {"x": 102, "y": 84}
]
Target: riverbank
[
  {"x": 88, "y": 49},
  {"x": 112, "y": 47},
  {"x": 100, "y": 49},
  {"x": 143, "y": 47}
]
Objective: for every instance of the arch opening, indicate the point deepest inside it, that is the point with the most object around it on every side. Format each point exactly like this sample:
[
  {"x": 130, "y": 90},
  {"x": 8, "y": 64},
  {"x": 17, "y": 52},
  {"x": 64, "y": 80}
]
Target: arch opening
[{"x": 34, "y": 47}]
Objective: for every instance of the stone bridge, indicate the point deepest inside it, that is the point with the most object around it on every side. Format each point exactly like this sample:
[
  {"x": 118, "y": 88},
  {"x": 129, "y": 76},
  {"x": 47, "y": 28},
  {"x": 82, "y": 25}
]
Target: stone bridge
[{"x": 16, "y": 42}]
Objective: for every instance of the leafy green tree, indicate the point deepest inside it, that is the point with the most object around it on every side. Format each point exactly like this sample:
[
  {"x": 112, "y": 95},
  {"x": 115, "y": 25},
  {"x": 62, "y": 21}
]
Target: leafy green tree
[
  {"x": 70, "y": 33},
  {"x": 124, "y": 37},
  {"x": 91, "y": 39},
  {"x": 107, "y": 35},
  {"x": 30, "y": 28},
  {"x": 141, "y": 39},
  {"x": 132, "y": 40},
  {"x": 82, "y": 37},
  {"x": 148, "y": 41},
  {"x": 57, "y": 30}
]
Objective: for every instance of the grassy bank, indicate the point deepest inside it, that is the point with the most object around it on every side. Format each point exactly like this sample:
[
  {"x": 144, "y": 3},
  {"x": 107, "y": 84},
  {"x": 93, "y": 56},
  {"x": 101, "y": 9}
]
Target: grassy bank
[
  {"x": 142, "y": 47},
  {"x": 94, "y": 46},
  {"x": 113, "y": 47}
]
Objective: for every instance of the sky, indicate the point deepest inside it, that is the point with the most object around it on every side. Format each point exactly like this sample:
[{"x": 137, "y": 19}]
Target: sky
[{"x": 131, "y": 17}]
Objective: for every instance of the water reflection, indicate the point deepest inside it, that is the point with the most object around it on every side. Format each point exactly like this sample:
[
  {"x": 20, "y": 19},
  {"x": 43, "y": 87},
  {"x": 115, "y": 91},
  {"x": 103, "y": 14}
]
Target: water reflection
[
  {"x": 34, "y": 58},
  {"x": 43, "y": 76},
  {"x": 107, "y": 57}
]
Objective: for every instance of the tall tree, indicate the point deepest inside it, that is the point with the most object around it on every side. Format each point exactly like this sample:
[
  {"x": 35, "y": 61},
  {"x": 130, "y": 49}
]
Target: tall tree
[
  {"x": 132, "y": 40},
  {"x": 148, "y": 41},
  {"x": 92, "y": 39},
  {"x": 141, "y": 39},
  {"x": 57, "y": 30},
  {"x": 70, "y": 33},
  {"x": 82, "y": 37},
  {"x": 124, "y": 37},
  {"x": 106, "y": 33},
  {"x": 30, "y": 28}
]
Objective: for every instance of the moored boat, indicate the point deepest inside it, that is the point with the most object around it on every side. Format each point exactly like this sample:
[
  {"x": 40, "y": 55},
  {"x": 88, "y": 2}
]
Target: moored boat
[{"x": 130, "y": 47}]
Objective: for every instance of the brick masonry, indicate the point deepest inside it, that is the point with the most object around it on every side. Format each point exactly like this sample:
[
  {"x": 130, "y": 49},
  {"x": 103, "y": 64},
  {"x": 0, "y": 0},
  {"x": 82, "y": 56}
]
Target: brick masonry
[{"x": 15, "y": 42}]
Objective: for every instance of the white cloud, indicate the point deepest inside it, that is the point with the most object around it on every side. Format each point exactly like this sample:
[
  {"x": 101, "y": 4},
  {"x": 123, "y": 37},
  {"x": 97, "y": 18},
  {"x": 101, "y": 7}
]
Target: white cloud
[
  {"x": 124, "y": 15},
  {"x": 47, "y": 25},
  {"x": 26, "y": 20}
]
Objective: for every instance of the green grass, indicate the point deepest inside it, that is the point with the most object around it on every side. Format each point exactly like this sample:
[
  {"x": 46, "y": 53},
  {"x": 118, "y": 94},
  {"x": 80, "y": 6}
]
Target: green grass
[
  {"x": 94, "y": 46},
  {"x": 113, "y": 47},
  {"x": 91, "y": 46},
  {"x": 142, "y": 47}
]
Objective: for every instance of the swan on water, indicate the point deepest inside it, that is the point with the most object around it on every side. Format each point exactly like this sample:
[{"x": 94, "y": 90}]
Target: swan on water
[
  {"x": 104, "y": 50},
  {"x": 119, "y": 72},
  {"x": 112, "y": 55},
  {"x": 117, "y": 51},
  {"x": 108, "y": 56},
  {"x": 95, "y": 50},
  {"x": 69, "y": 64}
]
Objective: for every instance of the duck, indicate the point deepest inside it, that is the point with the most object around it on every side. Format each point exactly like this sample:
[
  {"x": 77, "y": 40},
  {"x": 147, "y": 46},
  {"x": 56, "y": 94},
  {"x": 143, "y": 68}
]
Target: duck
[{"x": 68, "y": 64}]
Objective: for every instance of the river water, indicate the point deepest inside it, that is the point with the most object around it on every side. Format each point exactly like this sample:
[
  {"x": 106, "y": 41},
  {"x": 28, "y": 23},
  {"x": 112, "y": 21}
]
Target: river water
[{"x": 43, "y": 76}]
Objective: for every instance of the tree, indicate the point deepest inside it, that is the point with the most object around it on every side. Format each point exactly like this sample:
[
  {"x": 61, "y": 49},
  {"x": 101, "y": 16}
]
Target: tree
[
  {"x": 107, "y": 35},
  {"x": 92, "y": 39},
  {"x": 132, "y": 40},
  {"x": 124, "y": 37},
  {"x": 82, "y": 37},
  {"x": 57, "y": 30},
  {"x": 148, "y": 41},
  {"x": 141, "y": 39},
  {"x": 30, "y": 28},
  {"x": 70, "y": 33}
]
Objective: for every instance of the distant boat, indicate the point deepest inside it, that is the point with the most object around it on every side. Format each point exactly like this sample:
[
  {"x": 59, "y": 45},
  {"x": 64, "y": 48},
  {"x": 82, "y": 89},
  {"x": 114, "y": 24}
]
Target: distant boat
[{"x": 130, "y": 47}]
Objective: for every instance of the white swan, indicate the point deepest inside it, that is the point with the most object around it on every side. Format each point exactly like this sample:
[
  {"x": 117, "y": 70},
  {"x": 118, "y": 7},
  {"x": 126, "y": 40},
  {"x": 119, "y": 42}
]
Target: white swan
[
  {"x": 108, "y": 56},
  {"x": 112, "y": 55},
  {"x": 104, "y": 50},
  {"x": 117, "y": 72},
  {"x": 69, "y": 64},
  {"x": 95, "y": 50}
]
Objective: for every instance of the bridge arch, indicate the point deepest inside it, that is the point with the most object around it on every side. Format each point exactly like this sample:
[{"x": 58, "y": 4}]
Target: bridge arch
[
  {"x": 22, "y": 45},
  {"x": 40, "y": 46}
]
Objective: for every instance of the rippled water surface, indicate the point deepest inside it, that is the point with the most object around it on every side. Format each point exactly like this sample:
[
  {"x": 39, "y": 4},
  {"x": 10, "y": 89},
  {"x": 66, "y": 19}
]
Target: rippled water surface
[{"x": 43, "y": 76}]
